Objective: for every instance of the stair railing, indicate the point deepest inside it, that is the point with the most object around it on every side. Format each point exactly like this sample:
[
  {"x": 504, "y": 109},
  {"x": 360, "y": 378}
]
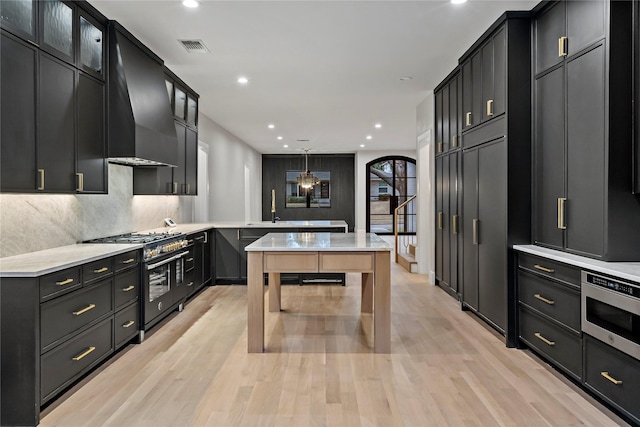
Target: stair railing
[{"x": 405, "y": 225}]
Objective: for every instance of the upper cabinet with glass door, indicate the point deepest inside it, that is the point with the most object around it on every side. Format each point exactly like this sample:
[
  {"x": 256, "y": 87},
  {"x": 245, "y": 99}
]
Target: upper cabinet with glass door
[
  {"x": 57, "y": 29},
  {"x": 91, "y": 41},
  {"x": 19, "y": 17},
  {"x": 184, "y": 102}
]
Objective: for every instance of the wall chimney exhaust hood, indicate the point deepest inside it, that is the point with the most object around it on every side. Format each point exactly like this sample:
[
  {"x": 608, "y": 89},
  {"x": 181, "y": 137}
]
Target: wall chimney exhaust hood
[{"x": 141, "y": 126}]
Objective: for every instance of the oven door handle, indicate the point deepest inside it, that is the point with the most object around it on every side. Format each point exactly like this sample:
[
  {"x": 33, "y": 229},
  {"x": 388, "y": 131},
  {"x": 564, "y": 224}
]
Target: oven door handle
[{"x": 166, "y": 261}]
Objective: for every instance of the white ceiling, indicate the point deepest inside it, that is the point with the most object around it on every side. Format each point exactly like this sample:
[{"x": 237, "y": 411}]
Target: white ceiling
[{"x": 325, "y": 71}]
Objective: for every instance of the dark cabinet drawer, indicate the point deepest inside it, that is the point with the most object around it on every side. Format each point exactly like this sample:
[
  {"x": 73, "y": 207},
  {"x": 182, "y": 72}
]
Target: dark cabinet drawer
[
  {"x": 189, "y": 260},
  {"x": 557, "y": 344},
  {"x": 613, "y": 375},
  {"x": 97, "y": 270},
  {"x": 550, "y": 268},
  {"x": 127, "y": 287},
  {"x": 59, "y": 283},
  {"x": 126, "y": 325},
  {"x": 126, "y": 260},
  {"x": 553, "y": 299},
  {"x": 65, "y": 363},
  {"x": 69, "y": 313}
]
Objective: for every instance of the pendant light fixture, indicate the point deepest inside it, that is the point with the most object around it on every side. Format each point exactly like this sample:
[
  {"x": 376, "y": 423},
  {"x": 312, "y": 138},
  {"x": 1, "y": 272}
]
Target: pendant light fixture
[{"x": 306, "y": 179}]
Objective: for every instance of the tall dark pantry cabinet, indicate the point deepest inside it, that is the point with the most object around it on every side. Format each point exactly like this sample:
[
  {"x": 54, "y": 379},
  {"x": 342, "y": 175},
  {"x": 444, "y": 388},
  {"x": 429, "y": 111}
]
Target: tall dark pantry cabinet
[{"x": 483, "y": 164}]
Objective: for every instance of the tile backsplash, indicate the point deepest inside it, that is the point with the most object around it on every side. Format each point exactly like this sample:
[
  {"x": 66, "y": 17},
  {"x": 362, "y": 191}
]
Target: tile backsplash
[{"x": 32, "y": 222}]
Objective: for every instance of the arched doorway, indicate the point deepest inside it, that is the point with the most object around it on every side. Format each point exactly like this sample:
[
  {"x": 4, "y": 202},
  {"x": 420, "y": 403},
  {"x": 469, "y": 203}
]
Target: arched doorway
[{"x": 391, "y": 181}]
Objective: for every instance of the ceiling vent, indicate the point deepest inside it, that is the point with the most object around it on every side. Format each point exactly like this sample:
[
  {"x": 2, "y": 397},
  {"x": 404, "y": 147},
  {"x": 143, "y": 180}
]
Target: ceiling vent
[{"x": 194, "y": 46}]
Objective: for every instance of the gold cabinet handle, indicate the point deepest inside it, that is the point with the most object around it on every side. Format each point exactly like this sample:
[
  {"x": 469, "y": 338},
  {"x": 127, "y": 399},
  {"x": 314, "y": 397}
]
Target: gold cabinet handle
[
  {"x": 454, "y": 141},
  {"x": 190, "y": 284},
  {"x": 80, "y": 176},
  {"x": 543, "y": 299},
  {"x": 610, "y": 378},
  {"x": 128, "y": 324},
  {"x": 439, "y": 147},
  {"x": 439, "y": 220},
  {"x": 84, "y": 310},
  {"x": 128, "y": 288},
  {"x": 41, "y": 175},
  {"x": 476, "y": 226},
  {"x": 128, "y": 261},
  {"x": 64, "y": 282},
  {"x": 545, "y": 269},
  {"x": 561, "y": 213},
  {"x": 175, "y": 188},
  {"x": 189, "y": 259},
  {"x": 454, "y": 221},
  {"x": 544, "y": 340},
  {"x": 188, "y": 188},
  {"x": 562, "y": 46},
  {"x": 490, "y": 108},
  {"x": 467, "y": 119},
  {"x": 82, "y": 355},
  {"x": 101, "y": 270}
]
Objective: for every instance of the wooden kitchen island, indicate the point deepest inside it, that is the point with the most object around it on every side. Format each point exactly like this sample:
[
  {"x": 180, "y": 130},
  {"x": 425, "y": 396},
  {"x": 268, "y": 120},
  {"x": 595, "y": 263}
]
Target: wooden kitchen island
[{"x": 277, "y": 253}]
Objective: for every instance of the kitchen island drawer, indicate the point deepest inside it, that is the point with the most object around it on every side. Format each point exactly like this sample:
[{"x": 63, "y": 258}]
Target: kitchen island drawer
[
  {"x": 557, "y": 301},
  {"x": 613, "y": 375},
  {"x": 97, "y": 269},
  {"x": 126, "y": 325},
  {"x": 562, "y": 347},
  {"x": 63, "y": 364},
  {"x": 61, "y": 282},
  {"x": 126, "y": 260},
  {"x": 69, "y": 313},
  {"x": 127, "y": 287},
  {"x": 550, "y": 268}
]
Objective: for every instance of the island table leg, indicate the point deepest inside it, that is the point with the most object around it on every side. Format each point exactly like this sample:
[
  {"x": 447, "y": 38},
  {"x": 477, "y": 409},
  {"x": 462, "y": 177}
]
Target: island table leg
[
  {"x": 382, "y": 303},
  {"x": 255, "y": 303},
  {"x": 275, "y": 294},
  {"x": 366, "y": 304}
]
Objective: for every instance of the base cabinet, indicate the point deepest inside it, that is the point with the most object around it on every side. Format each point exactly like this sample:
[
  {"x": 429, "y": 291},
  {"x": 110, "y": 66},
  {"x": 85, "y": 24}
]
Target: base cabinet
[{"x": 613, "y": 376}]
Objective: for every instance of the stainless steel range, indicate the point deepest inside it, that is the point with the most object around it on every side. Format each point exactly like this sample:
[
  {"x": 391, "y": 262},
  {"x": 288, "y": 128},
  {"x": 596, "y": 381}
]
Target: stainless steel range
[{"x": 162, "y": 273}]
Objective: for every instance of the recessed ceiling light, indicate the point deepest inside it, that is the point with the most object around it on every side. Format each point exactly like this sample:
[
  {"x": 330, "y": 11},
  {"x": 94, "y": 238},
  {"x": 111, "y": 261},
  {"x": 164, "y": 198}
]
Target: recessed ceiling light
[
  {"x": 271, "y": 126},
  {"x": 190, "y": 3},
  {"x": 285, "y": 146},
  {"x": 406, "y": 78},
  {"x": 243, "y": 80},
  {"x": 361, "y": 145},
  {"x": 458, "y": 1},
  {"x": 369, "y": 137},
  {"x": 279, "y": 137},
  {"x": 377, "y": 125}
]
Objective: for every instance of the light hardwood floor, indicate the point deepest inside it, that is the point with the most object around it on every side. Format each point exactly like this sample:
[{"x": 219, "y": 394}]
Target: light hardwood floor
[{"x": 446, "y": 368}]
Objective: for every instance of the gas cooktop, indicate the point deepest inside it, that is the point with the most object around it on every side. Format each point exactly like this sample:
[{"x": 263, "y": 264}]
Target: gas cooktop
[{"x": 136, "y": 238}]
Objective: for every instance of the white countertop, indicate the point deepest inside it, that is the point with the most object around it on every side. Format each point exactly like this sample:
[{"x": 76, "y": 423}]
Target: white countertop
[
  {"x": 622, "y": 270},
  {"x": 194, "y": 228},
  {"x": 38, "y": 263},
  {"x": 310, "y": 242}
]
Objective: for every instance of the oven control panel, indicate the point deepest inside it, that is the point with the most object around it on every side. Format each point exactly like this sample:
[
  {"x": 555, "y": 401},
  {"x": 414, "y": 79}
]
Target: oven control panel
[
  {"x": 164, "y": 248},
  {"x": 614, "y": 285}
]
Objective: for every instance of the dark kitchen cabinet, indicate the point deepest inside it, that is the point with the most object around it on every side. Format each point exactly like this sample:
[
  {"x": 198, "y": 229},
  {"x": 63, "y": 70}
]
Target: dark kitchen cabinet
[
  {"x": 636, "y": 93},
  {"x": 201, "y": 264},
  {"x": 57, "y": 29},
  {"x": 485, "y": 231},
  {"x": 92, "y": 145},
  {"x": 56, "y": 126},
  {"x": 582, "y": 124},
  {"x": 18, "y": 114},
  {"x": 91, "y": 46},
  {"x": 447, "y": 113},
  {"x": 227, "y": 254}
]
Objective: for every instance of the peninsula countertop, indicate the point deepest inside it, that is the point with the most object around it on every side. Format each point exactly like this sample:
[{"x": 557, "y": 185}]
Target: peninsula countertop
[
  {"x": 197, "y": 227},
  {"x": 309, "y": 242}
]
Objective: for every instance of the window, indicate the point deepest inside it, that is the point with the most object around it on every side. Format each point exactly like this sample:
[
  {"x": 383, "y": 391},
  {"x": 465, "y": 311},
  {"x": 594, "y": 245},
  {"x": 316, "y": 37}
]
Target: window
[{"x": 319, "y": 196}]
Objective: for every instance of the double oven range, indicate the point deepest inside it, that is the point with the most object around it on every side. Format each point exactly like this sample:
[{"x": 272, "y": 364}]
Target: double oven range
[{"x": 162, "y": 273}]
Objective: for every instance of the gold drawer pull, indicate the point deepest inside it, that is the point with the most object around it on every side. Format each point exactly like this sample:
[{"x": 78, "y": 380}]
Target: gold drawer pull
[
  {"x": 80, "y": 356},
  {"x": 545, "y": 269},
  {"x": 190, "y": 284},
  {"x": 440, "y": 145},
  {"x": 467, "y": 121},
  {"x": 454, "y": 141},
  {"x": 440, "y": 227},
  {"x": 189, "y": 259},
  {"x": 64, "y": 282},
  {"x": 562, "y": 201},
  {"x": 455, "y": 224},
  {"x": 101, "y": 270},
  {"x": 80, "y": 176},
  {"x": 544, "y": 340},
  {"x": 128, "y": 261},
  {"x": 84, "y": 310},
  {"x": 562, "y": 46},
  {"x": 610, "y": 378},
  {"x": 129, "y": 324},
  {"x": 41, "y": 175},
  {"x": 490, "y": 108},
  {"x": 543, "y": 299},
  {"x": 128, "y": 288}
]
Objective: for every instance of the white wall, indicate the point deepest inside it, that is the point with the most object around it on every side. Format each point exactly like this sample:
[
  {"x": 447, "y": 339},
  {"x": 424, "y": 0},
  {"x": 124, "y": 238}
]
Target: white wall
[
  {"x": 229, "y": 158},
  {"x": 425, "y": 251},
  {"x": 361, "y": 159}
]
